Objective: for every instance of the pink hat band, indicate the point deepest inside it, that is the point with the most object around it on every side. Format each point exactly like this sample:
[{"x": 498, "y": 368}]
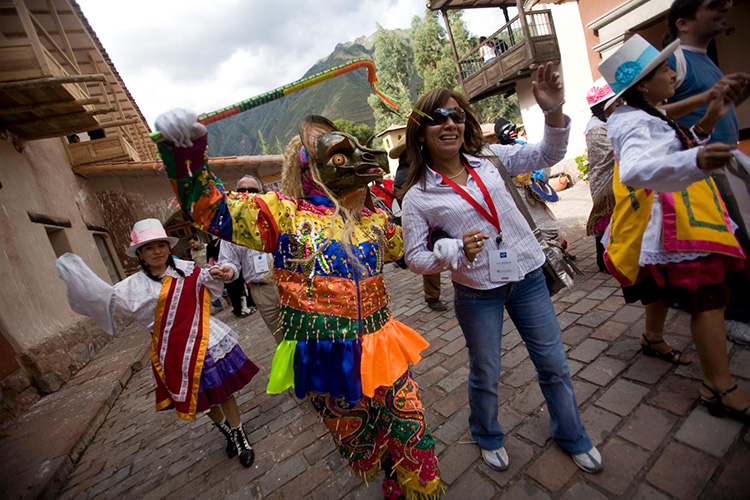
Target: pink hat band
[
  {"x": 598, "y": 92},
  {"x": 145, "y": 231},
  {"x": 151, "y": 234}
]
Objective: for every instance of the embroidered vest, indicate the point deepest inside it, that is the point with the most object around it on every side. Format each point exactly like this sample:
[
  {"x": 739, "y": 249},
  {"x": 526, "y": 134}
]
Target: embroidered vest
[
  {"x": 693, "y": 220},
  {"x": 179, "y": 342}
]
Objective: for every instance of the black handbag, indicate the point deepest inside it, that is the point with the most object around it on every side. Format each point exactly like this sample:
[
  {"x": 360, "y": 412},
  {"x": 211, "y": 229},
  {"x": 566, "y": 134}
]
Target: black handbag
[{"x": 558, "y": 267}]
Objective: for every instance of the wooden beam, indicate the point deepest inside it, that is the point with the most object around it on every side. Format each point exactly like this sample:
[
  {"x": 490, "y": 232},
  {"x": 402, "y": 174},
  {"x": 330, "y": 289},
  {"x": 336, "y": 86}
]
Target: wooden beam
[
  {"x": 453, "y": 47},
  {"x": 75, "y": 130},
  {"x": 48, "y": 220},
  {"x": 49, "y": 81},
  {"x": 67, "y": 116},
  {"x": 28, "y": 27},
  {"x": 63, "y": 55},
  {"x": 63, "y": 35},
  {"x": 47, "y": 106},
  {"x": 525, "y": 29}
]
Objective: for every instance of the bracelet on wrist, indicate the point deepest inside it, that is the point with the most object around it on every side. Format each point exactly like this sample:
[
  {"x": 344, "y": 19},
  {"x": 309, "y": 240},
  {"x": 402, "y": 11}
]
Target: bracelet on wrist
[
  {"x": 554, "y": 108},
  {"x": 700, "y": 131}
]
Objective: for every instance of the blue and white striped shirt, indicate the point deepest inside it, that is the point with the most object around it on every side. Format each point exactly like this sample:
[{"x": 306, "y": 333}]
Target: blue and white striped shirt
[{"x": 438, "y": 206}]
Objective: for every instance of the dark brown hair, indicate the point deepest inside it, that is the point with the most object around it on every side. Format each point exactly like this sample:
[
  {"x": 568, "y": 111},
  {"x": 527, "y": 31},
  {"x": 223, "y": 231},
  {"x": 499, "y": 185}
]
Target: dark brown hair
[
  {"x": 419, "y": 157},
  {"x": 636, "y": 99},
  {"x": 680, "y": 9}
]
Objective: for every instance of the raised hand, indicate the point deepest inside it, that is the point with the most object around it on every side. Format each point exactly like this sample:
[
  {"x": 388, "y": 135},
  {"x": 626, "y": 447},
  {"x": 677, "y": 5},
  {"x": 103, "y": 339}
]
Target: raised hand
[
  {"x": 180, "y": 127},
  {"x": 548, "y": 87}
]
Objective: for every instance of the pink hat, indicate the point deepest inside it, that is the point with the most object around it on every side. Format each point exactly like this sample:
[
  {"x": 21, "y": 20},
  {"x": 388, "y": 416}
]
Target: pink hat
[
  {"x": 599, "y": 92},
  {"x": 145, "y": 231}
]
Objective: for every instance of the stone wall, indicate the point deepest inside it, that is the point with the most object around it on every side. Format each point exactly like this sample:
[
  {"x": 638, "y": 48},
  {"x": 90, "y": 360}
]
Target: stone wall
[{"x": 46, "y": 367}]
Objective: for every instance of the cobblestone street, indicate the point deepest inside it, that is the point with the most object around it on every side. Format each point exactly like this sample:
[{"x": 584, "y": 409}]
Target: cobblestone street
[{"x": 656, "y": 441}]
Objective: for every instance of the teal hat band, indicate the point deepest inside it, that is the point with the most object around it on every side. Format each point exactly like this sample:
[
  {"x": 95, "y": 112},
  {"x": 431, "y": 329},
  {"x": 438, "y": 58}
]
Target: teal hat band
[{"x": 628, "y": 71}]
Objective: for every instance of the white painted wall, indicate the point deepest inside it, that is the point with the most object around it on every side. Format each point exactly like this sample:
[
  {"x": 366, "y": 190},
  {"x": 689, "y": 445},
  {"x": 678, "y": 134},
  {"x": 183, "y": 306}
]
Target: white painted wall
[{"x": 577, "y": 79}]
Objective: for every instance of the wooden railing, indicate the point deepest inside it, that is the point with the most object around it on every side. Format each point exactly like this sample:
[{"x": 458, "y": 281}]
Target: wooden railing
[{"x": 505, "y": 40}]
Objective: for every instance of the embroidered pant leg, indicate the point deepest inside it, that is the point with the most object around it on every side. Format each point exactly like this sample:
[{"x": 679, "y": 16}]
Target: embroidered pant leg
[
  {"x": 353, "y": 428},
  {"x": 401, "y": 422}
]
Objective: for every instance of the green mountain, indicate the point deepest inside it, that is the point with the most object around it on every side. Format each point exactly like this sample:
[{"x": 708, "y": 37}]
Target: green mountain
[{"x": 341, "y": 97}]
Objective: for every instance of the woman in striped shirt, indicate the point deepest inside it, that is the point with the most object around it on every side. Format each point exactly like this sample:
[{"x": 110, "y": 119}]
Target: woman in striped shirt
[{"x": 492, "y": 255}]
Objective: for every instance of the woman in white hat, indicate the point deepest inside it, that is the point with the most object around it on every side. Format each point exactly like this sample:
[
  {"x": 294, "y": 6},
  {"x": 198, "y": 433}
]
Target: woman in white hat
[
  {"x": 196, "y": 360},
  {"x": 601, "y": 163},
  {"x": 671, "y": 242}
]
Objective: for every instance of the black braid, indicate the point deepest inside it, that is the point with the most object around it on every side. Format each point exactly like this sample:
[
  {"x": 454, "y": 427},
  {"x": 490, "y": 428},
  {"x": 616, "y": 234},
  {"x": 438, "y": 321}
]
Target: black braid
[
  {"x": 147, "y": 271},
  {"x": 598, "y": 111},
  {"x": 636, "y": 99}
]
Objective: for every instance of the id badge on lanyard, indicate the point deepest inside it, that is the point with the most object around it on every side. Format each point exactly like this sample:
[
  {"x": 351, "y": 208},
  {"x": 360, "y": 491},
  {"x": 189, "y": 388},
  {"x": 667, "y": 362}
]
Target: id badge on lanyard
[
  {"x": 503, "y": 265},
  {"x": 260, "y": 263},
  {"x": 503, "y": 261}
]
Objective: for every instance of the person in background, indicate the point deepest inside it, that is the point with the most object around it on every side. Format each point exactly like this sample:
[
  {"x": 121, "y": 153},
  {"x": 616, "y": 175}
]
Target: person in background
[
  {"x": 494, "y": 258},
  {"x": 254, "y": 269},
  {"x": 601, "y": 164},
  {"x": 430, "y": 282},
  {"x": 235, "y": 292},
  {"x": 487, "y": 51},
  {"x": 199, "y": 257}
]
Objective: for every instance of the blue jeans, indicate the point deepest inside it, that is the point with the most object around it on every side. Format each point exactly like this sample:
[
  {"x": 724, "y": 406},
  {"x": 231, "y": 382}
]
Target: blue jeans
[{"x": 480, "y": 315}]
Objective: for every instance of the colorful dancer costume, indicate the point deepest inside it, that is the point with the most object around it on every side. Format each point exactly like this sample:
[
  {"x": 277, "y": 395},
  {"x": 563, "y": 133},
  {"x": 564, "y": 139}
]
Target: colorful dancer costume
[
  {"x": 196, "y": 360},
  {"x": 341, "y": 346}
]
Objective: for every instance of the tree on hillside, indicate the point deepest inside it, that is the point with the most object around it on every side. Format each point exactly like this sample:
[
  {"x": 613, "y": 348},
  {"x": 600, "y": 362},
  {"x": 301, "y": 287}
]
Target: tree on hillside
[
  {"x": 361, "y": 131},
  {"x": 433, "y": 56},
  {"x": 395, "y": 64},
  {"x": 432, "y": 53},
  {"x": 265, "y": 149}
]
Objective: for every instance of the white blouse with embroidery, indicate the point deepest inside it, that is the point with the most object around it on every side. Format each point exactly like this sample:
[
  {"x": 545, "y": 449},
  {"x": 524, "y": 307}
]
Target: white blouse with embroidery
[{"x": 135, "y": 298}]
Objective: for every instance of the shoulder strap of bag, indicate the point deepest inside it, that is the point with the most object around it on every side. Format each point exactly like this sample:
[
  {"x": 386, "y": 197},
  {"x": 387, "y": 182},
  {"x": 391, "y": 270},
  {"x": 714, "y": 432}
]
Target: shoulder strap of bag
[{"x": 511, "y": 188}]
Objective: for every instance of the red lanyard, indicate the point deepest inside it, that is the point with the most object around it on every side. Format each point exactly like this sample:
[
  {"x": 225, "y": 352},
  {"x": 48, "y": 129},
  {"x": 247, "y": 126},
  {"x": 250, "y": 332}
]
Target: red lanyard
[{"x": 490, "y": 216}]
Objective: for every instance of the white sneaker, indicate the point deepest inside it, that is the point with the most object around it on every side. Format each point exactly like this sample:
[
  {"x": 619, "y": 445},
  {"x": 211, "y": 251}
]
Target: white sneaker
[
  {"x": 590, "y": 462},
  {"x": 497, "y": 459}
]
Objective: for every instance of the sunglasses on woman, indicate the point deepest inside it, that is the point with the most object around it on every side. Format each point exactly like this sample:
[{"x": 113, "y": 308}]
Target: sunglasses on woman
[
  {"x": 247, "y": 190},
  {"x": 441, "y": 115}
]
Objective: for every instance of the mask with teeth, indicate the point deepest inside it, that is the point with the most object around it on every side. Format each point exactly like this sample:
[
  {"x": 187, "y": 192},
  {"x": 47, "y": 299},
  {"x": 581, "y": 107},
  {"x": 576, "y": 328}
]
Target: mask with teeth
[{"x": 343, "y": 164}]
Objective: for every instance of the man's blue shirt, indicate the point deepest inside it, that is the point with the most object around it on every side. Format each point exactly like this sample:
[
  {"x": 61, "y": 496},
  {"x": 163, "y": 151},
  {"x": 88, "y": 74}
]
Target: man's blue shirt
[{"x": 701, "y": 75}]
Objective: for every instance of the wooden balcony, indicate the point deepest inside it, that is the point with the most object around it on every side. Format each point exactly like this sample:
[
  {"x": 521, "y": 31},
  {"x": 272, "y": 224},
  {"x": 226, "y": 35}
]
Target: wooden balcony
[
  {"x": 107, "y": 150},
  {"x": 56, "y": 79},
  {"x": 519, "y": 52}
]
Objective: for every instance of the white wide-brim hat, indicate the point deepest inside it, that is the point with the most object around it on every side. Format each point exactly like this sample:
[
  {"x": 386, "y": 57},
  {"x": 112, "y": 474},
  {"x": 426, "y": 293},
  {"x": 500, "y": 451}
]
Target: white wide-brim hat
[
  {"x": 599, "y": 92},
  {"x": 145, "y": 231},
  {"x": 634, "y": 59}
]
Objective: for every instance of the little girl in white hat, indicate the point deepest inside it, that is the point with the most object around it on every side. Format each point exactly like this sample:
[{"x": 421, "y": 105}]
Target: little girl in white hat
[{"x": 196, "y": 361}]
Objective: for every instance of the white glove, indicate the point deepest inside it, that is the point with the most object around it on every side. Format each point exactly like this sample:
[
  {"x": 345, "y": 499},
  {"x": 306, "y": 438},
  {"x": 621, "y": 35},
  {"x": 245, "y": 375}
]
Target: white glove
[
  {"x": 447, "y": 251},
  {"x": 180, "y": 127}
]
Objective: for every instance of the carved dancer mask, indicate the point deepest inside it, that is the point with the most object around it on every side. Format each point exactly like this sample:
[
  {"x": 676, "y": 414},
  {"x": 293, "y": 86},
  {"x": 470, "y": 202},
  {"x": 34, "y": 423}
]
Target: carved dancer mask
[{"x": 343, "y": 164}]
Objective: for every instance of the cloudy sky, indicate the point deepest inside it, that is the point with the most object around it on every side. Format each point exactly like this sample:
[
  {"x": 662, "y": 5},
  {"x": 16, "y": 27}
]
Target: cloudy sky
[{"x": 204, "y": 55}]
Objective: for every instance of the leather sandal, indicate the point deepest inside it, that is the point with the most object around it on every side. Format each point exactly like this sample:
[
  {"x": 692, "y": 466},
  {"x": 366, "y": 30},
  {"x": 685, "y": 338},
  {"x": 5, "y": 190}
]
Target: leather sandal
[
  {"x": 717, "y": 408},
  {"x": 674, "y": 356}
]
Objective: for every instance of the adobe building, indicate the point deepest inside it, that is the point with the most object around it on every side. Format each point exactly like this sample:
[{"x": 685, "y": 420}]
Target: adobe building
[{"x": 77, "y": 169}]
